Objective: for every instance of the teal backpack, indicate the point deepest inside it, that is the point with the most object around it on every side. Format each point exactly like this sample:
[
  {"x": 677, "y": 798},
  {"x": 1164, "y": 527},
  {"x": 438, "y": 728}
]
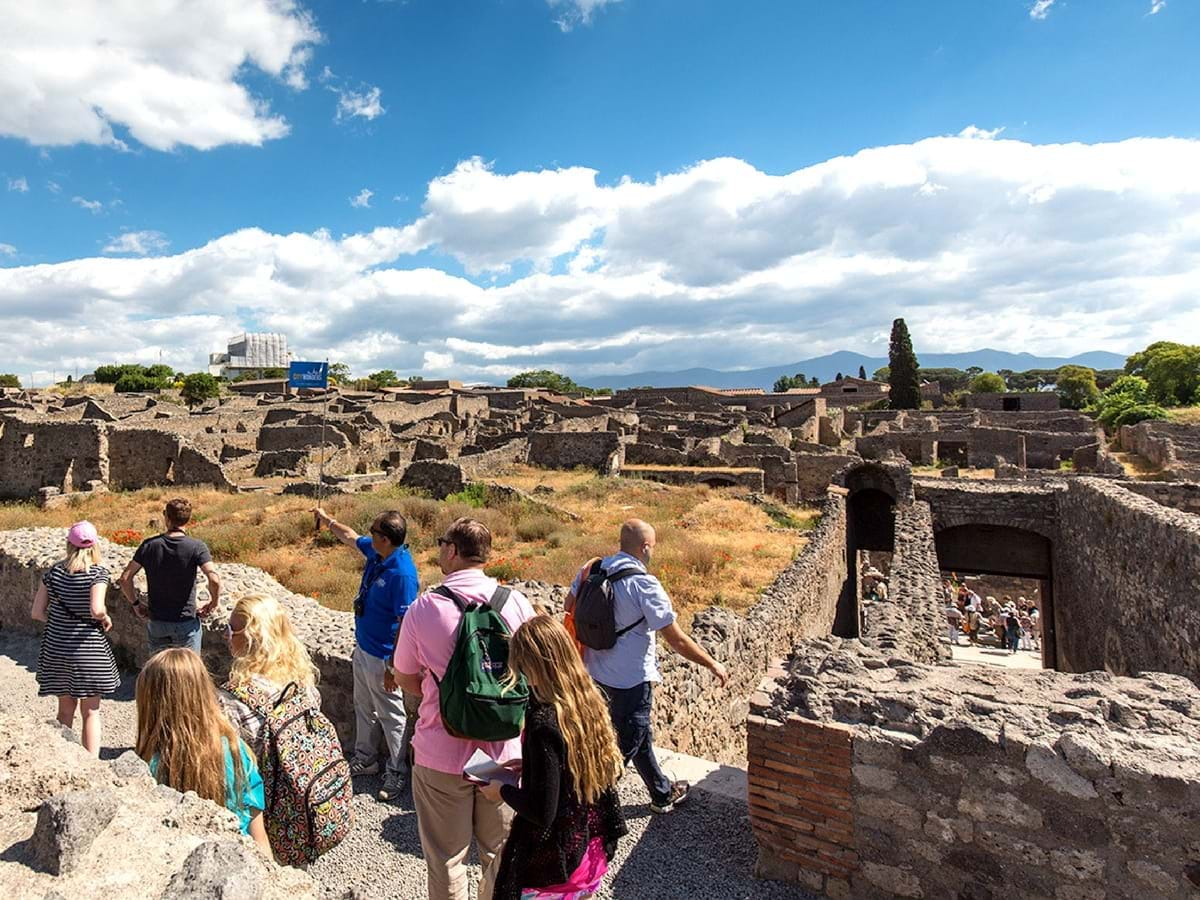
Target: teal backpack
[{"x": 472, "y": 699}]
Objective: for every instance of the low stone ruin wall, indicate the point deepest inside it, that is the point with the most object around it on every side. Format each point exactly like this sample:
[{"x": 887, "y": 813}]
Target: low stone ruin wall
[
  {"x": 73, "y": 826},
  {"x": 1181, "y": 495},
  {"x": 872, "y": 776},
  {"x": 1127, "y": 579},
  {"x": 599, "y": 450},
  {"x": 912, "y": 612}
]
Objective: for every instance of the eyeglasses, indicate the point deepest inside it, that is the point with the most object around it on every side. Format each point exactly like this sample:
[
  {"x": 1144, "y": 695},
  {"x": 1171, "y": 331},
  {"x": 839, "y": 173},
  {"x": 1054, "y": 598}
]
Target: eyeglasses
[{"x": 230, "y": 631}]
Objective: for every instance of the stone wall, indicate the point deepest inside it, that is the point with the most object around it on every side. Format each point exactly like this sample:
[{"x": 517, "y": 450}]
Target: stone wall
[
  {"x": 871, "y": 776},
  {"x": 909, "y": 621},
  {"x": 65, "y": 455},
  {"x": 74, "y": 826},
  {"x": 1181, "y": 495},
  {"x": 601, "y": 450},
  {"x": 1128, "y": 576},
  {"x": 1012, "y": 401},
  {"x": 814, "y": 471},
  {"x": 138, "y": 457}
]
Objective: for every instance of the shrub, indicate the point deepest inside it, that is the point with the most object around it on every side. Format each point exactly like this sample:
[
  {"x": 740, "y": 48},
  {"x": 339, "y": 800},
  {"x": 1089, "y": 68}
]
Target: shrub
[
  {"x": 1140, "y": 413},
  {"x": 537, "y": 527},
  {"x": 474, "y": 495},
  {"x": 133, "y": 382},
  {"x": 421, "y": 512},
  {"x": 10, "y": 380},
  {"x": 198, "y": 387},
  {"x": 503, "y": 569},
  {"x": 987, "y": 383}
]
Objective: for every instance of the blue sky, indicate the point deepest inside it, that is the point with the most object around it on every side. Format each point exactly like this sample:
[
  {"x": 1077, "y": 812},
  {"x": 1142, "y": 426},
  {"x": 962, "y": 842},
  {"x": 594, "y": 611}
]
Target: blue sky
[{"x": 523, "y": 249}]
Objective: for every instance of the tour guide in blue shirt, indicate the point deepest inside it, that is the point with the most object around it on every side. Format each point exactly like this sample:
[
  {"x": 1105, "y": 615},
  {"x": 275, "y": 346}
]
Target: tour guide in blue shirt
[
  {"x": 388, "y": 588},
  {"x": 626, "y": 673}
]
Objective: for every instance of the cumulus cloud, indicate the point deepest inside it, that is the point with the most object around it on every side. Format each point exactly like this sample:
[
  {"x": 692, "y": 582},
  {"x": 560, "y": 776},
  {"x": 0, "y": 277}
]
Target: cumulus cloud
[
  {"x": 362, "y": 200},
  {"x": 577, "y": 12},
  {"x": 92, "y": 206},
  {"x": 976, "y": 240},
  {"x": 360, "y": 104},
  {"x": 54, "y": 187},
  {"x": 20, "y": 185},
  {"x": 169, "y": 74},
  {"x": 139, "y": 243},
  {"x": 1040, "y": 9},
  {"x": 8, "y": 250},
  {"x": 1157, "y": 6}
]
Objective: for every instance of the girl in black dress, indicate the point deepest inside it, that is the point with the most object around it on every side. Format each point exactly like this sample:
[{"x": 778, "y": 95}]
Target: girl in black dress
[{"x": 568, "y": 817}]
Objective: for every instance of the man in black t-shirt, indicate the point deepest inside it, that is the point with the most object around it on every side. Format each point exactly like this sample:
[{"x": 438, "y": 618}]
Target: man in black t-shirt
[{"x": 171, "y": 560}]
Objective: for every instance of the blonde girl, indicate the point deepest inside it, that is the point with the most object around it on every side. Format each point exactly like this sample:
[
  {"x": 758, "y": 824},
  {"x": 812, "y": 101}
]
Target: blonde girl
[
  {"x": 267, "y": 657},
  {"x": 568, "y": 817},
  {"x": 75, "y": 662},
  {"x": 189, "y": 744}
]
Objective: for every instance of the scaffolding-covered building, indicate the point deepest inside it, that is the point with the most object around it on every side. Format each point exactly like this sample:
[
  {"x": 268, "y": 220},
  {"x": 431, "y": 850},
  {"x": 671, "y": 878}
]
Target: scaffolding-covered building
[{"x": 250, "y": 353}]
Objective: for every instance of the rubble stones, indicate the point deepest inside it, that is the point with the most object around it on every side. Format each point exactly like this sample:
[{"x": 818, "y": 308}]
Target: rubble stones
[{"x": 67, "y": 825}]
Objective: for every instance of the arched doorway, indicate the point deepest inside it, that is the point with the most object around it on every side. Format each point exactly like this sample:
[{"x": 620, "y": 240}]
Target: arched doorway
[
  {"x": 1005, "y": 552},
  {"x": 871, "y": 495}
]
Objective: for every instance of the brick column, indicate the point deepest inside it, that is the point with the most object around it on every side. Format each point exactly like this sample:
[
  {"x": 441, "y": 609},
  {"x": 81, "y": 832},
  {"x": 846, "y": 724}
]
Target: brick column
[{"x": 799, "y": 796}]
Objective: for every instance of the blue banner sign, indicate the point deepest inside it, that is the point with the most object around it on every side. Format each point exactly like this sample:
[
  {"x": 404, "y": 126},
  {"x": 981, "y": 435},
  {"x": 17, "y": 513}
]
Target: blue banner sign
[{"x": 308, "y": 375}]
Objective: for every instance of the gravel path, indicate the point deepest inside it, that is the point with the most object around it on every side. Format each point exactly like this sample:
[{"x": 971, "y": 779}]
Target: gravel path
[{"x": 703, "y": 850}]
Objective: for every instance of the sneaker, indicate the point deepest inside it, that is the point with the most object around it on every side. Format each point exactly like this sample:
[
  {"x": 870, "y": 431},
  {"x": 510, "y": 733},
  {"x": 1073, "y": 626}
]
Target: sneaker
[
  {"x": 679, "y": 793},
  {"x": 358, "y": 767},
  {"x": 393, "y": 784}
]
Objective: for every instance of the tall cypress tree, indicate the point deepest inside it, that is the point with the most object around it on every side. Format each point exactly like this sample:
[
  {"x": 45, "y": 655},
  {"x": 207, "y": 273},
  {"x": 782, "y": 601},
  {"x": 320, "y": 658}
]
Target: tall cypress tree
[
  {"x": 905, "y": 386},
  {"x": 862, "y": 372}
]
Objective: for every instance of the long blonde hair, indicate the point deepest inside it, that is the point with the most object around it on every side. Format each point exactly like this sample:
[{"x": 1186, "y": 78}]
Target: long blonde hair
[
  {"x": 544, "y": 653},
  {"x": 80, "y": 559},
  {"x": 181, "y": 722},
  {"x": 272, "y": 649}
]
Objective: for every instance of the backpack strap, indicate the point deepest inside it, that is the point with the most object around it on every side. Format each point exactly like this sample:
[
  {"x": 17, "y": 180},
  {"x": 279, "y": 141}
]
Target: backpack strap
[
  {"x": 499, "y": 598},
  {"x": 444, "y": 591},
  {"x": 618, "y": 576}
]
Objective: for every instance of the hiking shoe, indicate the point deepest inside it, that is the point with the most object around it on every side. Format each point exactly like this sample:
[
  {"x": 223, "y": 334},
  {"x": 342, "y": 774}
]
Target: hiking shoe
[
  {"x": 393, "y": 784},
  {"x": 358, "y": 767},
  {"x": 679, "y": 793}
]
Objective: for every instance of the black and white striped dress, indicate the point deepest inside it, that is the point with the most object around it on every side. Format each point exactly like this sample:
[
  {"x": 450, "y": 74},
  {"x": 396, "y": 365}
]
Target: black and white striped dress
[{"x": 75, "y": 659}]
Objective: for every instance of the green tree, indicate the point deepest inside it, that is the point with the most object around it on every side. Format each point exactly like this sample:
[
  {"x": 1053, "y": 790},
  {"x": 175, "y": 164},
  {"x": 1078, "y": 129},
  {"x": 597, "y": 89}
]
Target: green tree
[
  {"x": 160, "y": 372},
  {"x": 543, "y": 378},
  {"x": 198, "y": 387},
  {"x": 132, "y": 382},
  {"x": 789, "y": 382},
  {"x": 415, "y": 379},
  {"x": 862, "y": 372},
  {"x": 1127, "y": 392},
  {"x": 9, "y": 380},
  {"x": 902, "y": 366},
  {"x": 950, "y": 379},
  {"x": 883, "y": 373},
  {"x": 339, "y": 373},
  {"x": 111, "y": 374},
  {"x": 385, "y": 378},
  {"x": 1174, "y": 375},
  {"x": 1076, "y": 385},
  {"x": 987, "y": 383}
]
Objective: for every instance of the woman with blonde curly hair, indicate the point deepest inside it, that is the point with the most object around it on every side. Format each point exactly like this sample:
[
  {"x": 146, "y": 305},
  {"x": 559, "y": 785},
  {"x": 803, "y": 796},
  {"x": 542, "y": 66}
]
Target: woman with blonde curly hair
[
  {"x": 190, "y": 745},
  {"x": 568, "y": 817},
  {"x": 267, "y": 657}
]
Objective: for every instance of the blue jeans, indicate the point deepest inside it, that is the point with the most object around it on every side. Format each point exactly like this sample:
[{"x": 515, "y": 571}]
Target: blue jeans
[
  {"x": 630, "y": 711},
  {"x": 162, "y": 635}
]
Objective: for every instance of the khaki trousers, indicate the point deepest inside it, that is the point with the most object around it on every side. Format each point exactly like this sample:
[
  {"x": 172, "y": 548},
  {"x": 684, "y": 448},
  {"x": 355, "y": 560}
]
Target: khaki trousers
[{"x": 449, "y": 812}]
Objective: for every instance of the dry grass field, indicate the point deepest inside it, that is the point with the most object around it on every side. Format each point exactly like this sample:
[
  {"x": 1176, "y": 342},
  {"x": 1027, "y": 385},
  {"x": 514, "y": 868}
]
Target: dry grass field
[
  {"x": 1185, "y": 415},
  {"x": 714, "y": 546}
]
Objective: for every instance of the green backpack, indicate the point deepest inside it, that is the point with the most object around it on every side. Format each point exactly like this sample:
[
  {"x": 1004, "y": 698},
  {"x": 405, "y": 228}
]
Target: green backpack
[{"x": 472, "y": 699}]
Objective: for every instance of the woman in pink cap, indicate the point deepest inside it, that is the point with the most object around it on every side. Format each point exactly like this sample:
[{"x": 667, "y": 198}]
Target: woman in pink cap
[{"x": 76, "y": 663}]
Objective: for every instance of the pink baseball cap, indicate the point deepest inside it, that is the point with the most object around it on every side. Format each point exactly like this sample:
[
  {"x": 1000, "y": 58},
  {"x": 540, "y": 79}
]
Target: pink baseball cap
[{"x": 82, "y": 534}]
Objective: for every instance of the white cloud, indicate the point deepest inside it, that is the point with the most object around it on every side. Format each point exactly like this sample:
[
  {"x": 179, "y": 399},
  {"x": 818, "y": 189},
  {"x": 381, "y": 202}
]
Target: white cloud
[
  {"x": 1040, "y": 9},
  {"x": 54, "y": 187},
  {"x": 1054, "y": 249},
  {"x": 1157, "y": 6},
  {"x": 363, "y": 104},
  {"x": 362, "y": 200},
  {"x": 8, "y": 250},
  {"x": 140, "y": 243},
  {"x": 578, "y": 12},
  {"x": 74, "y": 71},
  {"x": 20, "y": 185},
  {"x": 92, "y": 206}
]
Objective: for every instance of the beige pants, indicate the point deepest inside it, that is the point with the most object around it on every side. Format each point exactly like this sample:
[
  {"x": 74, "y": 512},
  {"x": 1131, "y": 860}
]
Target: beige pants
[{"x": 449, "y": 812}]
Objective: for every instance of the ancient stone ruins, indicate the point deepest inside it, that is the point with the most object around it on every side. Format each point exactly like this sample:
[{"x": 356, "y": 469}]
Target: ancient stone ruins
[{"x": 877, "y": 766}]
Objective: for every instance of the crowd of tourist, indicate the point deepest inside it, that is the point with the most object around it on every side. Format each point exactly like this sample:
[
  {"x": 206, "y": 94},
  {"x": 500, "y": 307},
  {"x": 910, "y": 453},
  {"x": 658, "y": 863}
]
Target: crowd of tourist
[
  {"x": 1012, "y": 625},
  {"x": 464, "y": 671}
]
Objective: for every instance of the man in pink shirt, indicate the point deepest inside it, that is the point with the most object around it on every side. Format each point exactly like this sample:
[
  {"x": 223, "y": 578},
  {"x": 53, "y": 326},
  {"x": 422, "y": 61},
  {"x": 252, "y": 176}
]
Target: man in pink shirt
[{"x": 450, "y": 809}]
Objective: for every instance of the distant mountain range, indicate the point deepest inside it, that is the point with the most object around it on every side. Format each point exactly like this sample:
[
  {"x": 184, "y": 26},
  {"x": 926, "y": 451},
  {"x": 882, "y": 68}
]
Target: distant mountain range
[{"x": 826, "y": 368}]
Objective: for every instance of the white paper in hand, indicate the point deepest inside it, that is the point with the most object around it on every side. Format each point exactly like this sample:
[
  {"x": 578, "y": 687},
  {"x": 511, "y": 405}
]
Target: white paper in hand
[{"x": 481, "y": 769}]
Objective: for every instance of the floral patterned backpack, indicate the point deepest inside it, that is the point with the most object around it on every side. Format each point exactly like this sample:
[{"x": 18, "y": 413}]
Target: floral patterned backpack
[{"x": 306, "y": 779}]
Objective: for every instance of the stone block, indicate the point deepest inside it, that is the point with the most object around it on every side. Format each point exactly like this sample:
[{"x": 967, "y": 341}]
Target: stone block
[
  {"x": 1052, "y": 770},
  {"x": 67, "y": 825},
  {"x": 221, "y": 868},
  {"x": 893, "y": 879}
]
